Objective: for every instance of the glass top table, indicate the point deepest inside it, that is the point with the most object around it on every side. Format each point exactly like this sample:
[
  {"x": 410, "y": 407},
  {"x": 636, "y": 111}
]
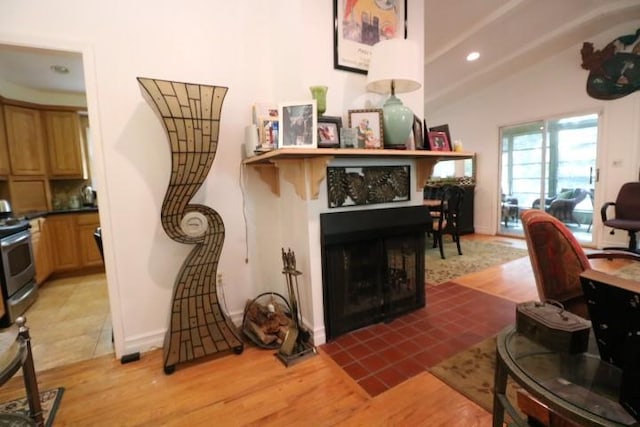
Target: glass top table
[{"x": 580, "y": 387}]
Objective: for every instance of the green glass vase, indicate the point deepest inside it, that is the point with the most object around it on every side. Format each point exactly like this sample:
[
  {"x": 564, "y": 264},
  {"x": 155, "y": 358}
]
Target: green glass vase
[{"x": 319, "y": 93}]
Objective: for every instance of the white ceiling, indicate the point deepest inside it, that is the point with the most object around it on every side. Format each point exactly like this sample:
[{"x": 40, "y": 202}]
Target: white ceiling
[
  {"x": 31, "y": 68},
  {"x": 509, "y": 34}
]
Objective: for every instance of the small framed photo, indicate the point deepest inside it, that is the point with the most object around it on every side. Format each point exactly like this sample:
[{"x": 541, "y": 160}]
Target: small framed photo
[
  {"x": 438, "y": 141},
  {"x": 329, "y": 131},
  {"x": 298, "y": 124},
  {"x": 368, "y": 123},
  {"x": 445, "y": 129},
  {"x": 268, "y": 132},
  {"x": 418, "y": 136}
]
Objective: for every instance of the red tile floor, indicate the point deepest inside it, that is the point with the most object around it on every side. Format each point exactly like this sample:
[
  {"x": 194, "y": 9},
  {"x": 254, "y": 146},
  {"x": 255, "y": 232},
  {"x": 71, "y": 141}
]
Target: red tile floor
[{"x": 455, "y": 317}]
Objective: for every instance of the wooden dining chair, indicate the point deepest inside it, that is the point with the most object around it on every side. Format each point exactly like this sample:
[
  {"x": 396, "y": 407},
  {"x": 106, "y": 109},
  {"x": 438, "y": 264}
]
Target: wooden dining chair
[{"x": 446, "y": 219}]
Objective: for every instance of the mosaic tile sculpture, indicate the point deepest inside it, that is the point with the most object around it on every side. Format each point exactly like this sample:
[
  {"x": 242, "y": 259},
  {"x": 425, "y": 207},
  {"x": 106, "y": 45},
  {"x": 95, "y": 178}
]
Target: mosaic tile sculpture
[{"x": 190, "y": 114}]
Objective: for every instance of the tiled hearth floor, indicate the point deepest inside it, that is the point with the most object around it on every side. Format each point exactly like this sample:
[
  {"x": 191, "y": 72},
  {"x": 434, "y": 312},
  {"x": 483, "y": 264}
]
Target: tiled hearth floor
[{"x": 456, "y": 317}]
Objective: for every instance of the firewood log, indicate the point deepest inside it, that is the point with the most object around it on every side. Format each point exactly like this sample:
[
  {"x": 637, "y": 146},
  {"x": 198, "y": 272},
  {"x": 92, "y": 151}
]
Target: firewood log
[{"x": 264, "y": 338}]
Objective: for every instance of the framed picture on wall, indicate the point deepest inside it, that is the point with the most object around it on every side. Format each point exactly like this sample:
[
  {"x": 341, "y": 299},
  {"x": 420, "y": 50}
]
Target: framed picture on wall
[
  {"x": 298, "y": 127},
  {"x": 358, "y": 25},
  {"x": 329, "y": 131},
  {"x": 368, "y": 123}
]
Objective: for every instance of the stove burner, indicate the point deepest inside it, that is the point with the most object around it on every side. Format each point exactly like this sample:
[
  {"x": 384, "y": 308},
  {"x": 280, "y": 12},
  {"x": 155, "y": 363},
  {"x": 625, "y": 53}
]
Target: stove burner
[{"x": 9, "y": 226}]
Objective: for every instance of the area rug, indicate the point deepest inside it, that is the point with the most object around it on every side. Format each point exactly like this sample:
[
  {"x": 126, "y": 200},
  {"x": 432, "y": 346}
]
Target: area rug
[
  {"x": 631, "y": 271},
  {"x": 50, "y": 400},
  {"x": 471, "y": 373},
  {"x": 476, "y": 256}
]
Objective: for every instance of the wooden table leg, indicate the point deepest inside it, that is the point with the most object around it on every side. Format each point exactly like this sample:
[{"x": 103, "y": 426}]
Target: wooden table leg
[{"x": 499, "y": 389}]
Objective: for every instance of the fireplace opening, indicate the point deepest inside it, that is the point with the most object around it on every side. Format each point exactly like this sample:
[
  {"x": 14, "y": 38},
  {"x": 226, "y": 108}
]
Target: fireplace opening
[{"x": 372, "y": 265}]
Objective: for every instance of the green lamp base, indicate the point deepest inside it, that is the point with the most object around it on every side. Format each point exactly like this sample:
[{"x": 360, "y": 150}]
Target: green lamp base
[{"x": 397, "y": 123}]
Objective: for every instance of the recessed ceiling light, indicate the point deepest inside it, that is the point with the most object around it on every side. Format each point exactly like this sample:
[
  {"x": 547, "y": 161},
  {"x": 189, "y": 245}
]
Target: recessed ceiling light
[
  {"x": 473, "y": 56},
  {"x": 60, "y": 69}
]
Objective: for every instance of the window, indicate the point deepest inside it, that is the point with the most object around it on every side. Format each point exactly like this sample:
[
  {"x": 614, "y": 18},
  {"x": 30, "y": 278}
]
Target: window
[{"x": 544, "y": 158}]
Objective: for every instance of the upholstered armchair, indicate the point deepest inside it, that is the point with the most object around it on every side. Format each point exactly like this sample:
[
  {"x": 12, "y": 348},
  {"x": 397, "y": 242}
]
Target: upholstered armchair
[
  {"x": 563, "y": 204},
  {"x": 557, "y": 260}
]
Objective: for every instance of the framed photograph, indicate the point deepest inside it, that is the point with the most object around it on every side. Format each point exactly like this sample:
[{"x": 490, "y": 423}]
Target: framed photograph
[
  {"x": 329, "y": 131},
  {"x": 298, "y": 127},
  {"x": 438, "y": 141},
  {"x": 445, "y": 129},
  {"x": 268, "y": 133},
  {"x": 358, "y": 25},
  {"x": 418, "y": 136},
  {"x": 368, "y": 123}
]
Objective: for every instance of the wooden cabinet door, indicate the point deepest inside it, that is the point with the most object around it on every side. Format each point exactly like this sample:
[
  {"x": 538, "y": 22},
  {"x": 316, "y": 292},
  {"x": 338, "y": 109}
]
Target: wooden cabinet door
[
  {"x": 25, "y": 140},
  {"x": 29, "y": 194},
  {"x": 89, "y": 253},
  {"x": 66, "y": 158},
  {"x": 41, "y": 242},
  {"x": 4, "y": 152},
  {"x": 64, "y": 242}
]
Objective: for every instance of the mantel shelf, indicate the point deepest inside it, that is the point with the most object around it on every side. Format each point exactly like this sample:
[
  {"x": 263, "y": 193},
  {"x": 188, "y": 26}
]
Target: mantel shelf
[{"x": 294, "y": 162}]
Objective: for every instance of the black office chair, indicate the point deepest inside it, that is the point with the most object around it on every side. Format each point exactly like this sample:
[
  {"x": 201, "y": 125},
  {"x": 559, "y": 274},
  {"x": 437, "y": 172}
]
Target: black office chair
[
  {"x": 97, "y": 235},
  {"x": 446, "y": 220},
  {"x": 627, "y": 213}
]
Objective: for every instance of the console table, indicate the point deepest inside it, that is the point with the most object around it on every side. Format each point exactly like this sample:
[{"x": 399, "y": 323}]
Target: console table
[
  {"x": 580, "y": 387},
  {"x": 297, "y": 163}
]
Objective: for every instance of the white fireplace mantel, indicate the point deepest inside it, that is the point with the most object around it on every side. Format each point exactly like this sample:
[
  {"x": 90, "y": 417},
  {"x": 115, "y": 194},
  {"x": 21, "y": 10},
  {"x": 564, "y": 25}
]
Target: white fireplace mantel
[
  {"x": 288, "y": 216},
  {"x": 294, "y": 163}
]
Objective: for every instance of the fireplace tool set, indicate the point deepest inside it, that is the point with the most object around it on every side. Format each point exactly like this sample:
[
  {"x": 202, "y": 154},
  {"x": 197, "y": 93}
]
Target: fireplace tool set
[{"x": 296, "y": 345}]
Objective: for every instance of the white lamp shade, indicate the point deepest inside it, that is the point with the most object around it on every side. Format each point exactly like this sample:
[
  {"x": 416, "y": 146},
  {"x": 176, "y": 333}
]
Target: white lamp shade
[{"x": 396, "y": 60}]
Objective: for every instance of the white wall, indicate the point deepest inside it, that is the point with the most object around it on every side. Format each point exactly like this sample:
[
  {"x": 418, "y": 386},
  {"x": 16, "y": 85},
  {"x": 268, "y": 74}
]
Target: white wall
[
  {"x": 263, "y": 51},
  {"x": 552, "y": 88}
]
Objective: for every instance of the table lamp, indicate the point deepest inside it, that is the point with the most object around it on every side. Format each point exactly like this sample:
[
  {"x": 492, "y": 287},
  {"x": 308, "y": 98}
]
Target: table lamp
[{"x": 395, "y": 68}]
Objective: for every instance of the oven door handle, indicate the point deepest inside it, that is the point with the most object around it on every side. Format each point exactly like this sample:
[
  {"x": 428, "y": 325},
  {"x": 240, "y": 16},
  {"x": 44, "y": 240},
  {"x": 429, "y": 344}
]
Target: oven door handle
[
  {"x": 24, "y": 297},
  {"x": 14, "y": 240}
]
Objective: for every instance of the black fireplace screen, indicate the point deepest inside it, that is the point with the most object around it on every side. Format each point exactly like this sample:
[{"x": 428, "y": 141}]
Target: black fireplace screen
[{"x": 373, "y": 276}]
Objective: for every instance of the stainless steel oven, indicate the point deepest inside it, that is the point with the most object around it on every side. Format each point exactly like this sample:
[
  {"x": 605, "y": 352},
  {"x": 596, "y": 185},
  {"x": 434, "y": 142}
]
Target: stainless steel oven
[{"x": 17, "y": 278}]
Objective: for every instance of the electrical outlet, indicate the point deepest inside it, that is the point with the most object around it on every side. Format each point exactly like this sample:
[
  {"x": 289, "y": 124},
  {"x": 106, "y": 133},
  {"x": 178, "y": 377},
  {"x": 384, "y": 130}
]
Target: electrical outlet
[{"x": 219, "y": 279}]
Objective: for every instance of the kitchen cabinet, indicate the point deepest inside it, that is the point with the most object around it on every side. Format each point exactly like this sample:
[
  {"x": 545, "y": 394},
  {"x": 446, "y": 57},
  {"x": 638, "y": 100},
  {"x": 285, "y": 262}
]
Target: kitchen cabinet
[
  {"x": 64, "y": 242},
  {"x": 89, "y": 253},
  {"x": 5, "y": 169},
  {"x": 72, "y": 243},
  {"x": 29, "y": 194},
  {"x": 64, "y": 144},
  {"x": 25, "y": 140},
  {"x": 41, "y": 243}
]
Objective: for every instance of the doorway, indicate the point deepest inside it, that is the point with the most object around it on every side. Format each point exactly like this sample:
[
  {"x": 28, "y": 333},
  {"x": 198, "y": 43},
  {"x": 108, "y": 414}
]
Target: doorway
[
  {"x": 550, "y": 165},
  {"x": 49, "y": 74}
]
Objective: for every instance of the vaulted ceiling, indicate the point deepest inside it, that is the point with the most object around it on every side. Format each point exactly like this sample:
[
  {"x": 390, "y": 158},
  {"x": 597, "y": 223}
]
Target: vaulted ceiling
[{"x": 509, "y": 35}]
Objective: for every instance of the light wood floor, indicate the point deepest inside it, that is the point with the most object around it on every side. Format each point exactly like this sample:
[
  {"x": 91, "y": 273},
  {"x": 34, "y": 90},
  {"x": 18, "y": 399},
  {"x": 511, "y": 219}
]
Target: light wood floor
[
  {"x": 70, "y": 321},
  {"x": 254, "y": 388}
]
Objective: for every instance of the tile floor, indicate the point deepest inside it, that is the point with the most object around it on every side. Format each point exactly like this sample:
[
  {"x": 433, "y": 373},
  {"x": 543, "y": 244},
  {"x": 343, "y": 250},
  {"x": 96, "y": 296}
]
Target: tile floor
[
  {"x": 456, "y": 317},
  {"x": 70, "y": 321}
]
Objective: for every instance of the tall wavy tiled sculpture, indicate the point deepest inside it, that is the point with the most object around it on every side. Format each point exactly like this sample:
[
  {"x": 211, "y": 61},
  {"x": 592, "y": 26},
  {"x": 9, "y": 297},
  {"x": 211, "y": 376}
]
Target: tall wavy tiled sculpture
[{"x": 190, "y": 114}]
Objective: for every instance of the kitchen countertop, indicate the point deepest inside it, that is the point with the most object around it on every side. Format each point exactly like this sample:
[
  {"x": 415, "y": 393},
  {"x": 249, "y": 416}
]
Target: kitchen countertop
[{"x": 84, "y": 209}]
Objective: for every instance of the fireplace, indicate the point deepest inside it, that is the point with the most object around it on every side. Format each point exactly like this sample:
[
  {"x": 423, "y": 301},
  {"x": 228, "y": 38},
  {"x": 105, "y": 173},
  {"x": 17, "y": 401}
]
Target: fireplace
[{"x": 372, "y": 265}]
